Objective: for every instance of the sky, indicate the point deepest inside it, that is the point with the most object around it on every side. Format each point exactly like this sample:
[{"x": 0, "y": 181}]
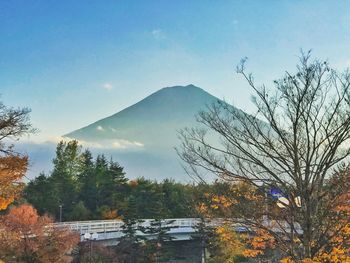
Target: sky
[{"x": 74, "y": 62}]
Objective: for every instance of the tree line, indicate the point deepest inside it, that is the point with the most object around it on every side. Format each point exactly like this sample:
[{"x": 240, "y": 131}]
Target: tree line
[{"x": 88, "y": 188}]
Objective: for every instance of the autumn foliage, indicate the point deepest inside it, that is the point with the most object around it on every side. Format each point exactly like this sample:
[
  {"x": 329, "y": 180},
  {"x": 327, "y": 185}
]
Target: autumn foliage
[
  {"x": 12, "y": 169},
  {"x": 226, "y": 244},
  {"x": 230, "y": 203},
  {"x": 338, "y": 249},
  {"x": 256, "y": 244},
  {"x": 14, "y": 123},
  {"x": 24, "y": 235},
  {"x": 29, "y": 237},
  {"x": 237, "y": 201}
]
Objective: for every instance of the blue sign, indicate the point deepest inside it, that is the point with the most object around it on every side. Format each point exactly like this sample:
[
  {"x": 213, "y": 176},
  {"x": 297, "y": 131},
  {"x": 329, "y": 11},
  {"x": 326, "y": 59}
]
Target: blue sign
[{"x": 276, "y": 193}]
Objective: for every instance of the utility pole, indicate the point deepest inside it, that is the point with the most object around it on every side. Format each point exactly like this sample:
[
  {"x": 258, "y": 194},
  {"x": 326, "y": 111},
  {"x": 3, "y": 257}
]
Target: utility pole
[
  {"x": 60, "y": 206},
  {"x": 90, "y": 237},
  {"x": 204, "y": 256},
  {"x": 90, "y": 254}
]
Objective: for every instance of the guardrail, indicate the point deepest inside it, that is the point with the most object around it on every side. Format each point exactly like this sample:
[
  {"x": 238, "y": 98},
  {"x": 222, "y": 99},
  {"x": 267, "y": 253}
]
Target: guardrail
[
  {"x": 103, "y": 226},
  {"x": 106, "y": 226}
]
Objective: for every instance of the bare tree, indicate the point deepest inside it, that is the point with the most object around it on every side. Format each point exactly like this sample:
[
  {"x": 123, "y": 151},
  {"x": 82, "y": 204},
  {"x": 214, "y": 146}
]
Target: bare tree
[
  {"x": 296, "y": 141},
  {"x": 14, "y": 123}
]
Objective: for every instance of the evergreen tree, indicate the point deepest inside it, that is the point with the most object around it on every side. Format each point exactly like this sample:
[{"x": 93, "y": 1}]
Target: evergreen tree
[
  {"x": 149, "y": 199},
  {"x": 176, "y": 199},
  {"x": 88, "y": 182},
  {"x": 42, "y": 194},
  {"x": 116, "y": 188},
  {"x": 156, "y": 249},
  {"x": 108, "y": 183},
  {"x": 131, "y": 245},
  {"x": 64, "y": 177}
]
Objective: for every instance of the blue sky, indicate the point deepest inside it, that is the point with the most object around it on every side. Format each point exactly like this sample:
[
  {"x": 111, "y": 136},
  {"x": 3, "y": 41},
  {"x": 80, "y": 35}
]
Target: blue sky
[{"x": 73, "y": 62}]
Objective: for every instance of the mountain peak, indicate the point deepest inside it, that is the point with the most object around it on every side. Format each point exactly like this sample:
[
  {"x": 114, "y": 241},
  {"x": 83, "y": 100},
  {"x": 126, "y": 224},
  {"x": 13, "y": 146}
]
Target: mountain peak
[
  {"x": 176, "y": 94},
  {"x": 181, "y": 88}
]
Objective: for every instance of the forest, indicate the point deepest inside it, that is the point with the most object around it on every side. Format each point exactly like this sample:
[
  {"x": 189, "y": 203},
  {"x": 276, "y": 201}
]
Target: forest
[{"x": 88, "y": 188}]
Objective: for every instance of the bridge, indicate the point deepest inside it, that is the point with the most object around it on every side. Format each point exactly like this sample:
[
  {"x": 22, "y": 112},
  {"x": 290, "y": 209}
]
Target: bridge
[{"x": 110, "y": 231}]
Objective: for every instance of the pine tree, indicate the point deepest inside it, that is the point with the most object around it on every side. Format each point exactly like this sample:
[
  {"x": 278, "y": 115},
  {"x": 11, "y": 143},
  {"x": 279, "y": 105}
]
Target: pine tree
[
  {"x": 131, "y": 244},
  {"x": 88, "y": 182},
  {"x": 64, "y": 177}
]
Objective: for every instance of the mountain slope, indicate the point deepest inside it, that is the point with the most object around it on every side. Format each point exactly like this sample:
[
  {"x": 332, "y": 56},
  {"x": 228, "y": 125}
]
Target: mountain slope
[
  {"x": 143, "y": 136},
  {"x": 153, "y": 121}
]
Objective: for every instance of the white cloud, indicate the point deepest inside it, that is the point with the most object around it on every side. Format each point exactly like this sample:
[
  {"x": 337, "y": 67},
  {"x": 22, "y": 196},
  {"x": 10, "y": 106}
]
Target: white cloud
[
  {"x": 107, "y": 86},
  {"x": 124, "y": 144},
  {"x": 100, "y": 128},
  {"x": 119, "y": 144},
  {"x": 158, "y": 34},
  {"x": 55, "y": 140},
  {"x": 116, "y": 144}
]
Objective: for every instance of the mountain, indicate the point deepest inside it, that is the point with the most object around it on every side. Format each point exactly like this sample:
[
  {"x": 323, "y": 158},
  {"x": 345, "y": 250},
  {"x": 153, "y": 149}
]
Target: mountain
[
  {"x": 142, "y": 137},
  {"x": 152, "y": 122}
]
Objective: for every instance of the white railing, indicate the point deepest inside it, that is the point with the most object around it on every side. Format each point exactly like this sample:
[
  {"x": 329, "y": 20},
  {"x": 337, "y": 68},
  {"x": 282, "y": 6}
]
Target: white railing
[
  {"x": 100, "y": 226},
  {"x": 183, "y": 224}
]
